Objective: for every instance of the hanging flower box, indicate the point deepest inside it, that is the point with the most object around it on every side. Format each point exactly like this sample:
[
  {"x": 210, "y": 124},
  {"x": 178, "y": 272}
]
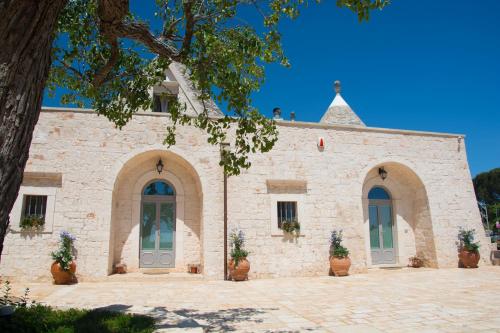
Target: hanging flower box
[{"x": 32, "y": 223}]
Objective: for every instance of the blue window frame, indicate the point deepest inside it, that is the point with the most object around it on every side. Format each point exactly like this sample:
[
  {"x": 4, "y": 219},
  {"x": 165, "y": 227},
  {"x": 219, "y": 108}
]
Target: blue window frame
[
  {"x": 378, "y": 193},
  {"x": 158, "y": 188}
]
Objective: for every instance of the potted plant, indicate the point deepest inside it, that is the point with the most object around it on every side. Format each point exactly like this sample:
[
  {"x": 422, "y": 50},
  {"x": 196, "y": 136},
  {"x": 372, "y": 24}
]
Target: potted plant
[
  {"x": 291, "y": 227},
  {"x": 6, "y": 306},
  {"x": 239, "y": 266},
  {"x": 415, "y": 262},
  {"x": 64, "y": 267},
  {"x": 193, "y": 268},
  {"x": 9, "y": 303},
  {"x": 32, "y": 222},
  {"x": 468, "y": 249},
  {"x": 339, "y": 255}
]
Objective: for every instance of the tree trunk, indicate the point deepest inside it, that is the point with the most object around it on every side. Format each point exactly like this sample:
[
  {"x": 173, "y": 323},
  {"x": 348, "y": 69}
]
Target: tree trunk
[{"x": 27, "y": 29}]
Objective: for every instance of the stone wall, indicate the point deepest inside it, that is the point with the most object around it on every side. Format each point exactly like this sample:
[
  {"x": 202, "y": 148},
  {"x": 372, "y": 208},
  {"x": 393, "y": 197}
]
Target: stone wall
[
  {"x": 430, "y": 177},
  {"x": 91, "y": 155},
  {"x": 94, "y": 200}
]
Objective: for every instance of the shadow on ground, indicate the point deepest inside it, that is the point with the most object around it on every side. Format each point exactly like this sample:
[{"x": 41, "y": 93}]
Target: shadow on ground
[
  {"x": 223, "y": 320},
  {"x": 226, "y": 320}
]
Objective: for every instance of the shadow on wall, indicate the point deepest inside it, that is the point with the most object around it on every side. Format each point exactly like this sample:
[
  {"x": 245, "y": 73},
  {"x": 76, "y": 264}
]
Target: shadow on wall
[{"x": 410, "y": 203}]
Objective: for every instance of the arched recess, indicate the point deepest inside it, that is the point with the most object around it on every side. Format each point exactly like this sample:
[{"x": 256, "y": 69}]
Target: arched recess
[
  {"x": 135, "y": 174},
  {"x": 412, "y": 229}
]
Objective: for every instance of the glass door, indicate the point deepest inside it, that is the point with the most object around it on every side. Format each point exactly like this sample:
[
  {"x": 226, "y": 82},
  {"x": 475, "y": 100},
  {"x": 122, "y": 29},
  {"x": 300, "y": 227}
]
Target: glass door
[
  {"x": 381, "y": 234},
  {"x": 157, "y": 242},
  {"x": 148, "y": 234},
  {"x": 381, "y": 227},
  {"x": 166, "y": 234}
]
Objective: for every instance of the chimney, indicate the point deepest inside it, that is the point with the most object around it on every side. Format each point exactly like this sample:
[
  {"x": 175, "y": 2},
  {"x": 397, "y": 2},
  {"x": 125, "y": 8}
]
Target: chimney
[
  {"x": 277, "y": 114},
  {"x": 292, "y": 116}
]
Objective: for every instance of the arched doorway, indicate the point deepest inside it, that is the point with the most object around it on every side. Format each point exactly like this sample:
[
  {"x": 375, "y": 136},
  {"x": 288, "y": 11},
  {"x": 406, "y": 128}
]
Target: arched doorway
[
  {"x": 401, "y": 198},
  {"x": 381, "y": 224},
  {"x": 185, "y": 192},
  {"x": 157, "y": 231}
]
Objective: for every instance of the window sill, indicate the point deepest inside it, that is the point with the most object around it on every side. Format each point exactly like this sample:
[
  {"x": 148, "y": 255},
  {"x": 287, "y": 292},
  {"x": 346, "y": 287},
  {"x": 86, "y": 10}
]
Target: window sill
[
  {"x": 29, "y": 232},
  {"x": 281, "y": 234}
]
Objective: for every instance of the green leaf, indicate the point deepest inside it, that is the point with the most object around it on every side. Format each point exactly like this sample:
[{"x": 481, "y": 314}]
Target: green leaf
[{"x": 225, "y": 59}]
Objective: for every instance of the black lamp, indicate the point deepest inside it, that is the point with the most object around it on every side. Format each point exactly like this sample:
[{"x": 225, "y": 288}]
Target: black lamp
[
  {"x": 159, "y": 166},
  {"x": 382, "y": 173}
]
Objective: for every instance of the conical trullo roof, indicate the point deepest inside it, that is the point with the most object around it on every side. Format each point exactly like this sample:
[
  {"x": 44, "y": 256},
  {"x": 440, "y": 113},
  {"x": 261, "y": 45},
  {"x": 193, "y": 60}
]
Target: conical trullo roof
[{"x": 339, "y": 112}]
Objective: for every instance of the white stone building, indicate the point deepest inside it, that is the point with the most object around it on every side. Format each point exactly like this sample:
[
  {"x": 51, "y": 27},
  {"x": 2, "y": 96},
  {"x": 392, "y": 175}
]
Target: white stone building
[{"x": 101, "y": 184}]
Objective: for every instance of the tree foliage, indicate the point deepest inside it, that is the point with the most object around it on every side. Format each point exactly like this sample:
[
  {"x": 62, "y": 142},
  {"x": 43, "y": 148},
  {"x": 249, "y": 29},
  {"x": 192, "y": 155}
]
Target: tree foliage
[
  {"x": 487, "y": 187},
  {"x": 108, "y": 58}
]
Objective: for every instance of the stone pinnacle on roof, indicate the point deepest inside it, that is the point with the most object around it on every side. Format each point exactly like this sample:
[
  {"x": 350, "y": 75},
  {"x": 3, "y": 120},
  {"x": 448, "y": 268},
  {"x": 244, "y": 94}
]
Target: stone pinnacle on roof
[
  {"x": 339, "y": 112},
  {"x": 336, "y": 86}
]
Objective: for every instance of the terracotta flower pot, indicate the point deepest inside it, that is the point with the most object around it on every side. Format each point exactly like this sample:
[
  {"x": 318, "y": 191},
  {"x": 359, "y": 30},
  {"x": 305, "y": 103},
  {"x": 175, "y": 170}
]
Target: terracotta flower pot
[
  {"x": 340, "y": 266},
  {"x": 416, "y": 262},
  {"x": 468, "y": 259},
  {"x": 61, "y": 276},
  {"x": 240, "y": 272}
]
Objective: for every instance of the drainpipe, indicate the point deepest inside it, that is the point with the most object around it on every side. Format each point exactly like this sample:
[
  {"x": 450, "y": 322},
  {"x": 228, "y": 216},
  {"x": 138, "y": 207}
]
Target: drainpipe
[{"x": 224, "y": 148}]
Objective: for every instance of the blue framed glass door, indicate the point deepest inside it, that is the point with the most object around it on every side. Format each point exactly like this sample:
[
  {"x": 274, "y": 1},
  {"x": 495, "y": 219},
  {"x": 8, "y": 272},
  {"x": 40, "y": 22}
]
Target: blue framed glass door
[
  {"x": 381, "y": 227},
  {"x": 157, "y": 228}
]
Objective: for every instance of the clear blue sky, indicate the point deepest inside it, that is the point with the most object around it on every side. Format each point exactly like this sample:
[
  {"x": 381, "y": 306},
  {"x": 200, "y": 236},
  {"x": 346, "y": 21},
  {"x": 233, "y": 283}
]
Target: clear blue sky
[{"x": 418, "y": 64}]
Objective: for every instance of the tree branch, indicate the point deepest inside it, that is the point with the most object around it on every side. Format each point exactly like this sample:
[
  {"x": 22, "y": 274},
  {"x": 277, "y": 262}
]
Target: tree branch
[
  {"x": 190, "y": 23},
  {"x": 71, "y": 68},
  {"x": 168, "y": 32},
  {"x": 140, "y": 33},
  {"x": 111, "y": 13},
  {"x": 101, "y": 75},
  {"x": 113, "y": 24}
]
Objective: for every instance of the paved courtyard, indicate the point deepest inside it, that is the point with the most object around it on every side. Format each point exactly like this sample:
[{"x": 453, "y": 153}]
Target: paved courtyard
[{"x": 406, "y": 300}]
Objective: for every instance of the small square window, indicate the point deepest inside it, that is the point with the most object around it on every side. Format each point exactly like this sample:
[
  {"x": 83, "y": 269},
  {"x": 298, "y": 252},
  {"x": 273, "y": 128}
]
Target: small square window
[
  {"x": 287, "y": 211},
  {"x": 34, "y": 209},
  {"x": 35, "y": 205}
]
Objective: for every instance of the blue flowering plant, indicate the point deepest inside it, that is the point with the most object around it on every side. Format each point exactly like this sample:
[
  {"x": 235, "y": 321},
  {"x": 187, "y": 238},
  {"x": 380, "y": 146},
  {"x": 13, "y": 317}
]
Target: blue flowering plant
[
  {"x": 237, "y": 243},
  {"x": 64, "y": 255},
  {"x": 337, "y": 250}
]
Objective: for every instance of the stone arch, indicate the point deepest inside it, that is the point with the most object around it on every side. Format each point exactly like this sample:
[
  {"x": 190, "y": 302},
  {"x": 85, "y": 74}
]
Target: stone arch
[
  {"x": 413, "y": 234},
  {"x": 134, "y": 174}
]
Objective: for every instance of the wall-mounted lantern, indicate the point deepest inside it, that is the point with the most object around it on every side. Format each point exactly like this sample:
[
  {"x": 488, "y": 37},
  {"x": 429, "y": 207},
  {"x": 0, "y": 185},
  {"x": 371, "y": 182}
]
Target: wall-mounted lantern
[
  {"x": 159, "y": 166},
  {"x": 382, "y": 173}
]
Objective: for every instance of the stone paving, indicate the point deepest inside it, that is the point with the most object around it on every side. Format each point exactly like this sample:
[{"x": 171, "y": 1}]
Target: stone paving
[{"x": 405, "y": 300}]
